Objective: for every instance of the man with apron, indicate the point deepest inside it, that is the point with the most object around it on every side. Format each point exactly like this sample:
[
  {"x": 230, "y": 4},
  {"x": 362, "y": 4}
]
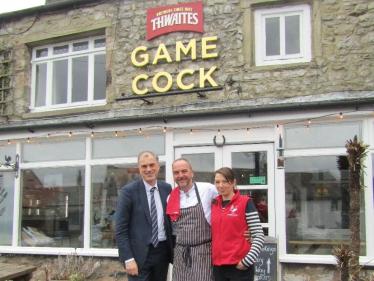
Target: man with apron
[{"x": 189, "y": 207}]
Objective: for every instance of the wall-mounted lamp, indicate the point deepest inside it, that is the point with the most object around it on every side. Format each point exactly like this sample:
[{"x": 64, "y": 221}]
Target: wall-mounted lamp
[{"x": 280, "y": 162}]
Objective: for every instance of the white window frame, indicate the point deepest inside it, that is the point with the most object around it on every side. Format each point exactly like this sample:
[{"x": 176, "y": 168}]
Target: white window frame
[
  {"x": 50, "y": 59},
  {"x": 305, "y": 54}
]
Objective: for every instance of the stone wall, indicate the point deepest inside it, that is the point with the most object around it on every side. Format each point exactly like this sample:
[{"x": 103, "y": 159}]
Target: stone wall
[{"x": 343, "y": 50}]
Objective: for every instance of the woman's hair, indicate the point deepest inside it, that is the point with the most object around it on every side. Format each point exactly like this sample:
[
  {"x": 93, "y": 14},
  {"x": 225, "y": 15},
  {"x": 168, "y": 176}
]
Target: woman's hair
[{"x": 228, "y": 174}]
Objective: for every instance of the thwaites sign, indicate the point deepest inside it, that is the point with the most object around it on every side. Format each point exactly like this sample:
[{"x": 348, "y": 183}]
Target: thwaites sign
[{"x": 181, "y": 17}]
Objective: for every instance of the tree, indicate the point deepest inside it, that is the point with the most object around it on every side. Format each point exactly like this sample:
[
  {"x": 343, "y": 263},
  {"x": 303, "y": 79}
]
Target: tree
[{"x": 357, "y": 152}]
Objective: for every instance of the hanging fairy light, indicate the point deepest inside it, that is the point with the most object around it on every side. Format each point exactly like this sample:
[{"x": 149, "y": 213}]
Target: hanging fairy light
[
  {"x": 92, "y": 134},
  {"x": 116, "y": 133},
  {"x": 191, "y": 132},
  {"x": 341, "y": 115},
  {"x": 140, "y": 130},
  {"x": 247, "y": 130},
  {"x": 70, "y": 134},
  {"x": 164, "y": 130},
  {"x": 218, "y": 132}
]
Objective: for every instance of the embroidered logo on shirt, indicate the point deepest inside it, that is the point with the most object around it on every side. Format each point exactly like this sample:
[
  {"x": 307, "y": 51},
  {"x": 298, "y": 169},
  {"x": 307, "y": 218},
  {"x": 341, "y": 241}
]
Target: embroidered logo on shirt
[{"x": 233, "y": 210}]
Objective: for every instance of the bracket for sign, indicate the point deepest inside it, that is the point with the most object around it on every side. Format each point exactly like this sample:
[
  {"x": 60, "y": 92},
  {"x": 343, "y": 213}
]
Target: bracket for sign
[
  {"x": 197, "y": 91},
  {"x": 147, "y": 101}
]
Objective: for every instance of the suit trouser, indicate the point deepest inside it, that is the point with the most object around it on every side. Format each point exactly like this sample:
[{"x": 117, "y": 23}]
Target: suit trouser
[{"x": 156, "y": 265}]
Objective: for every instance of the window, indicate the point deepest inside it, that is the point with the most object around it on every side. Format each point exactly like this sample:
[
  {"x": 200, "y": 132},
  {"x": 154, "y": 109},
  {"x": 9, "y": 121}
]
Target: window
[
  {"x": 283, "y": 35},
  {"x": 57, "y": 176},
  {"x": 69, "y": 74},
  {"x": 317, "y": 205},
  {"x": 317, "y": 189}
]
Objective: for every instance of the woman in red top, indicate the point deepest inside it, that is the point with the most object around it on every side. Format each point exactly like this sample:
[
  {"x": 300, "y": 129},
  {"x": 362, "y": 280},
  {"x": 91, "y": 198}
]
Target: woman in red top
[{"x": 233, "y": 256}]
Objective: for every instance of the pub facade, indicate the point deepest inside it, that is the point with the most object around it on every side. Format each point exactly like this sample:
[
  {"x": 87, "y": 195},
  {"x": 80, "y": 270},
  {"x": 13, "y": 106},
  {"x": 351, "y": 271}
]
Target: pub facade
[{"x": 272, "y": 89}]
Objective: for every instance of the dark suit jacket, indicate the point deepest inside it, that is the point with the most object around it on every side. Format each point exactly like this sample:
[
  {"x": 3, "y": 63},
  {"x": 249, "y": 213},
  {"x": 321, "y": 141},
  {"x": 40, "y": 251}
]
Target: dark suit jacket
[{"x": 133, "y": 222}]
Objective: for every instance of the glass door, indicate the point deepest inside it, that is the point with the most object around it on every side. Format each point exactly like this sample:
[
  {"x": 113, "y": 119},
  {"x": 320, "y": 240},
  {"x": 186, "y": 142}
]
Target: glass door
[{"x": 253, "y": 165}]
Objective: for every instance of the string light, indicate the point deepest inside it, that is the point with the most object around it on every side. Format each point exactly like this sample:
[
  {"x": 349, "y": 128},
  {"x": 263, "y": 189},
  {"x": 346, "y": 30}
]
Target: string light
[
  {"x": 28, "y": 139},
  {"x": 70, "y": 134},
  {"x": 247, "y": 130},
  {"x": 277, "y": 127},
  {"x": 48, "y": 135},
  {"x": 140, "y": 130},
  {"x": 191, "y": 132},
  {"x": 218, "y": 132},
  {"x": 341, "y": 115},
  {"x": 164, "y": 130},
  {"x": 92, "y": 134},
  {"x": 116, "y": 133},
  {"x": 309, "y": 121},
  {"x": 8, "y": 142}
]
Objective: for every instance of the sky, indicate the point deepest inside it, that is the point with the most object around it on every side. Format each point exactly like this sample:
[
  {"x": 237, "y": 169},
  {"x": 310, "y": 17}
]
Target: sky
[{"x": 14, "y": 5}]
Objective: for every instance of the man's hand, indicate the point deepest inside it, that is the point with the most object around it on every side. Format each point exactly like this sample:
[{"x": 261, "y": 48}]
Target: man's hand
[
  {"x": 132, "y": 268},
  {"x": 240, "y": 266},
  {"x": 247, "y": 234}
]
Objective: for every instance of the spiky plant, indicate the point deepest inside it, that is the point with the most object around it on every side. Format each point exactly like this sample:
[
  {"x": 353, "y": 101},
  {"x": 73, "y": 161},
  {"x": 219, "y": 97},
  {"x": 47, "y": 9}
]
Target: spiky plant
[
  {"x": 357, "y": 152},
  {"x": 342, "y": 257}
]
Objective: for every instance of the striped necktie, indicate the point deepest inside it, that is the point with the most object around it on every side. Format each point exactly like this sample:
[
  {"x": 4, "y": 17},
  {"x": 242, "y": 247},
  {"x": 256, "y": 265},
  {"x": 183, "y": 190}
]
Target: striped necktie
[{"x": 154, "y": 238}]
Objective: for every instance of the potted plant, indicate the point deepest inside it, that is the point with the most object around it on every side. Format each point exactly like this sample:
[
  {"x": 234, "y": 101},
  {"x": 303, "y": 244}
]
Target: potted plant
[{"x": 71, "y": 267}]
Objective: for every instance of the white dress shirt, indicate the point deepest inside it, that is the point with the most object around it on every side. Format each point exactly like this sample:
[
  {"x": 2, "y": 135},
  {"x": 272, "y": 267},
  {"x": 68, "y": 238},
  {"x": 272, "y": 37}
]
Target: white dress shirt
[
  {"x": 207, "y": 192},
  {"x": 160, "y": 210}
]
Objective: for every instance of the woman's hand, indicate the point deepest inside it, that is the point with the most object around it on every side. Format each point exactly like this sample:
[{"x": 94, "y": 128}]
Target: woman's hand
[{"x": 240, "y": 266}]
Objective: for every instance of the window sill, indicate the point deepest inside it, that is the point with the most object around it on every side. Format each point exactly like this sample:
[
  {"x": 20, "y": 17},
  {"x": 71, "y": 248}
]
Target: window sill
[
  {"x": 65, "y": 111},
  {"x": 284, "y": 66}
]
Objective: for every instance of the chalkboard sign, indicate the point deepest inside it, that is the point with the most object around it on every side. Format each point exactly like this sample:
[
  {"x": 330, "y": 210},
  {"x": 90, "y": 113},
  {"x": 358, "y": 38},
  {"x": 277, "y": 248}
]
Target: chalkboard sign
[{"x": 266, "y": 265}]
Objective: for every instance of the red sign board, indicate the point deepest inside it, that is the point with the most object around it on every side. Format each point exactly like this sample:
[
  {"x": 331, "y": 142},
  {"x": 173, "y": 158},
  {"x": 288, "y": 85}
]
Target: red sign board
[{"x": 181, "y": 17}]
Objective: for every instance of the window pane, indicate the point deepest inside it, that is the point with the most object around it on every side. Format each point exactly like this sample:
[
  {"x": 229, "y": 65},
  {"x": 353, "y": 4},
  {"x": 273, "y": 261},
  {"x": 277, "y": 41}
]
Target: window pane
[
  {"x": 53, "y": 151},
  {"x": 42, "y": 53},
  {"x": 260, "y": 199},
  {"x": 99, "y": 43},
  {"x": 52, "y": 207},
  {"x": 6, "y": 207},
  {"x": 292, "y": 25},
  {"x": 100, "y": 77},
  {"x": 319, "y": 136},
  {"x": 317, "y": 205},
  {"x": 107, "y": 182},
  {"x": 80, "y": 79},
  {"x": 81, "y": 46},
  {"x": 203, "y": 166},
  {"x": 41, "y": 84},
  {"x": 250, "y": 168},
  {"x": 61, "y": 50},
  {"x": 127, "y": 147},
  {"x": 60, "y": 82},
  {"x": 272, "y": 34}
]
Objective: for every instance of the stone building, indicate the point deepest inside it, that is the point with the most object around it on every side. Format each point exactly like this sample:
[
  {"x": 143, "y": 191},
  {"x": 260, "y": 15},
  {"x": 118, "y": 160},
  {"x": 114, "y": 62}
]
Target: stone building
[{"x": 273, "y": 89}]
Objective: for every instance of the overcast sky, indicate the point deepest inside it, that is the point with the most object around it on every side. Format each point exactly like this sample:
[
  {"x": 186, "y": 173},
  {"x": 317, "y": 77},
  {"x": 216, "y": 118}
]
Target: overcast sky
[{"x": 14, "y": 5}]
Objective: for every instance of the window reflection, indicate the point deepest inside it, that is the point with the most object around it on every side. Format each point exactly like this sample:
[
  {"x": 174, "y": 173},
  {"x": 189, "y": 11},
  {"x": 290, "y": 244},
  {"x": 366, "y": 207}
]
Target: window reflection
[
  {"x": 250, "y": 168},
  {"x": 6, "y": 207},
  {"x": 260, "y": 199},
  {"x": 107, "y": 182},
  {"x": 317, "y": 204},
  {"x": 52, "y": 207}
]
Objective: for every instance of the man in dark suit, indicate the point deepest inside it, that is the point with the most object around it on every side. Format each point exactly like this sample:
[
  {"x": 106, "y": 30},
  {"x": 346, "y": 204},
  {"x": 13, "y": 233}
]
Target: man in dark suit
[{"x": 143, "y": 260}]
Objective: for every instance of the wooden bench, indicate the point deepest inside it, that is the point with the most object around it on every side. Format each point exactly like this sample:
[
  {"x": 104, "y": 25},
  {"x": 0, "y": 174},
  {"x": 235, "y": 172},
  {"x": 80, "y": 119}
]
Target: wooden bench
[{"x": 15, "y": 272}]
